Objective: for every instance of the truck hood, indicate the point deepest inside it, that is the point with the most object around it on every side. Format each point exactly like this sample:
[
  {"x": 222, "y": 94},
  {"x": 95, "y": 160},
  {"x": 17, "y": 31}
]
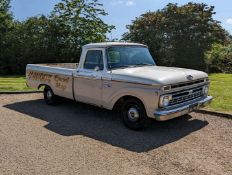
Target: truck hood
[{"x": 156, "y": 75}]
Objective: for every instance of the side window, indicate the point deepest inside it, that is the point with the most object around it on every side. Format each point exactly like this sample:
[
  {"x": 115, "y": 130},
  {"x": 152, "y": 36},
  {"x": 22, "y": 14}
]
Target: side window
[{"x": 93, "y": 59}]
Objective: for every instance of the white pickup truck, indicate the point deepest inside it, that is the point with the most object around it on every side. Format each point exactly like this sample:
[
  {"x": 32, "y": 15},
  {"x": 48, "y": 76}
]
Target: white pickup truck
[{"x": 123, "y": 76}]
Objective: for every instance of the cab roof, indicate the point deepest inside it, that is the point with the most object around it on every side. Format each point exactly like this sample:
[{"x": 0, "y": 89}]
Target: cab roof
[{"x": 108, "y": 44}]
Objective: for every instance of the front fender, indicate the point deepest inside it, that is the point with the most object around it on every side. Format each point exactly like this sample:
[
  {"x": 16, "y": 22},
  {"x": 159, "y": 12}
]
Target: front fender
[{"x": 148, "y": 96}]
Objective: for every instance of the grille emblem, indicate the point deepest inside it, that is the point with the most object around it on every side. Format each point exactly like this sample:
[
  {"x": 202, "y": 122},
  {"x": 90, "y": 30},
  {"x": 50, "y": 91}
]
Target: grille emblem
[
  {"x": 189, "y": 77},
  {"x": 190, "y": 92}
]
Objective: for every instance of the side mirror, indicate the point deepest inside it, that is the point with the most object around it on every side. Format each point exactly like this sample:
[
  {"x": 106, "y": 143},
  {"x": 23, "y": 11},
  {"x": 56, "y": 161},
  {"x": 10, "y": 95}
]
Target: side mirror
[{"x": 97, "y": 68}]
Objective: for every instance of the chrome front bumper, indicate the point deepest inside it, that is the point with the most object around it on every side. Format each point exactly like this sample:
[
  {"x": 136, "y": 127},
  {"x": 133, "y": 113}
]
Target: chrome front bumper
[{"x": 168, "y": 114}]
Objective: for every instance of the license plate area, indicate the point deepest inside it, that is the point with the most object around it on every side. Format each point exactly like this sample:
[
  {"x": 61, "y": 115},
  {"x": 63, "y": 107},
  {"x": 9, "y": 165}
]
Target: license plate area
[{"x": 193, "y": 107}]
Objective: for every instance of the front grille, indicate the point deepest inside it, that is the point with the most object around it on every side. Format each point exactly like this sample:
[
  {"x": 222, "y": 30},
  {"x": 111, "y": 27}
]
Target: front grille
[{"x": 185, "y": 95}]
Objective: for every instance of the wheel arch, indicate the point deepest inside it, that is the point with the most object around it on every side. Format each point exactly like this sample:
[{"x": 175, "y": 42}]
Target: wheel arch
[
  {"x": 43, "y": 85},
  {"x": 118, "y": 104}
]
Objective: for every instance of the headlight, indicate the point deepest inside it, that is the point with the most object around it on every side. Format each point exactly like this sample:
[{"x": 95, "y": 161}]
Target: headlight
[
  {"x": 164, "y": 100},
  {"x": 205, "y": 90}
]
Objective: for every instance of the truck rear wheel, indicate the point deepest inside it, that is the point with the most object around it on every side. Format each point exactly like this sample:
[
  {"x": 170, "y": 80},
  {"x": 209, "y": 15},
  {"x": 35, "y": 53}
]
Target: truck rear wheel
[
  {"x": 49, "y": 97},
  {"x": 134, "y": 114}
]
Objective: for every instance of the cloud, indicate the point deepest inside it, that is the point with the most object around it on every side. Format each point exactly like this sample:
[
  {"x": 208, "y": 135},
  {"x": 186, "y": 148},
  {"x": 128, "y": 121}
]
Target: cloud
[
  {"x": 123, "y": 2},
  {"x": 130, "y": 3},
  {"x": 229, "y": 21}
]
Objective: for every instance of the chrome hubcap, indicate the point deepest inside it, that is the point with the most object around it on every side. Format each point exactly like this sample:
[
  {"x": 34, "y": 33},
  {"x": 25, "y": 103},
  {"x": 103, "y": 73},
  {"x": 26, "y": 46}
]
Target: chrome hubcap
[
  {"x": 49, "y": 94},
  {"x": 133, "y": 114}
]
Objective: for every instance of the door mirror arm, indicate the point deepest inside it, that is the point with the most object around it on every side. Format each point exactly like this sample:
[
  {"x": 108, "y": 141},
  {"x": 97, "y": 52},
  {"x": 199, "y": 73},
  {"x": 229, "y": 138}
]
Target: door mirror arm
[{"x": 97, "y": 68}]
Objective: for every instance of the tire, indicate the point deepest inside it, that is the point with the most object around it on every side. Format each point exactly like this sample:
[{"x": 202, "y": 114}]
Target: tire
[
  {"x": 134, "y": 114},
  {"x": 49, "y": 97}
]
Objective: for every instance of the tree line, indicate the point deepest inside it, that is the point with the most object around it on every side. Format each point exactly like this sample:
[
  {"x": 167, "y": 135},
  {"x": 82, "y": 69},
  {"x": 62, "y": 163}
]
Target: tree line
[
  {"x": 57, "y": 37},
  {"x": 183, "y": 36}
]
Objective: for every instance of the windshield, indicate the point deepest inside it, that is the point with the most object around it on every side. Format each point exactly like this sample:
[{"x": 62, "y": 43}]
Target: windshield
[{"x": 128, "y": 56}]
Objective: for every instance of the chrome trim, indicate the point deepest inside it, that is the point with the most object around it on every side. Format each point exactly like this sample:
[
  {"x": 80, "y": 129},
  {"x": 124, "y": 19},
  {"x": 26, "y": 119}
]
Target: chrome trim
[
  {"x": 87, "y": 77},
  {"x": 186, "y": 83},
  {"x": 162, "y": 115},
  {"x": 186, "y": 95},
  {"x": 186, "y": 87},
  {"x": 162, "y": 98},
  {"x": 184, "y": 103},
  {"x": 184, "y": 91},
  {"x": 133, "y": 114},
  {"x": 156, "y": 89},
  {"x": 131, "y": 82}
]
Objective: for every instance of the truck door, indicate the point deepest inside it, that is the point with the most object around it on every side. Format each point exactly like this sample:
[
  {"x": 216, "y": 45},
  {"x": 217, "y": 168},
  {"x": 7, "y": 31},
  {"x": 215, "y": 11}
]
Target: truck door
[{"x": 88, "y": 79}]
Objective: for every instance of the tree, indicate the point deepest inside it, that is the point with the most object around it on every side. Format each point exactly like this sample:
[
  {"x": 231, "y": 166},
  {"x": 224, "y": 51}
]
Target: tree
[
  {"x": 219, "y": 58},
  {"x": 178, "y": 35},
  {"x": 5, "y": 17},
  {"x": 4, "y": 6},
  {"x": 56, "y": 38},
  {"x": 79, "y": 22},
  {"x": 6, "y": 23}
]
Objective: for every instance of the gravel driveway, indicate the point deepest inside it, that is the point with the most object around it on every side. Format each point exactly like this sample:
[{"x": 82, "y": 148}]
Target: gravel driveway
[{"x": 74, "y": 138}]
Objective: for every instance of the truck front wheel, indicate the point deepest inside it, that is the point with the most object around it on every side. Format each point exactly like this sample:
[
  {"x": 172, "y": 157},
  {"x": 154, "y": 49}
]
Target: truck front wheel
[
  {"x": 49, "y": 96},
  {"x": 134, "y": 114}
]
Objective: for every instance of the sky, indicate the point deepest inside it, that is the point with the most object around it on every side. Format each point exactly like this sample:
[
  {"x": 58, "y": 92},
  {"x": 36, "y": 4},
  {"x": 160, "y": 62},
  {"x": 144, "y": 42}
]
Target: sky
[{"x": 122, "y": 12}]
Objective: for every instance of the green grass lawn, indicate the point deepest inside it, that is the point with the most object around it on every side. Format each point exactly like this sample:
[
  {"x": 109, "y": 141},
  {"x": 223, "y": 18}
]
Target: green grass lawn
[
  {"x": 220, "y": 89},
  {"x": 13, "y": 83}
]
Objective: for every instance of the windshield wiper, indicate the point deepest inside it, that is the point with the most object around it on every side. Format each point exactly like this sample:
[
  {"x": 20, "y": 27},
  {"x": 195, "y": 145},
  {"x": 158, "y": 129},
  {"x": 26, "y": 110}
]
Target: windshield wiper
[
  {"x": 123, "y": 67},
  {"x": 131, "y": 66},
  {"x": 144, "y": 64}
]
